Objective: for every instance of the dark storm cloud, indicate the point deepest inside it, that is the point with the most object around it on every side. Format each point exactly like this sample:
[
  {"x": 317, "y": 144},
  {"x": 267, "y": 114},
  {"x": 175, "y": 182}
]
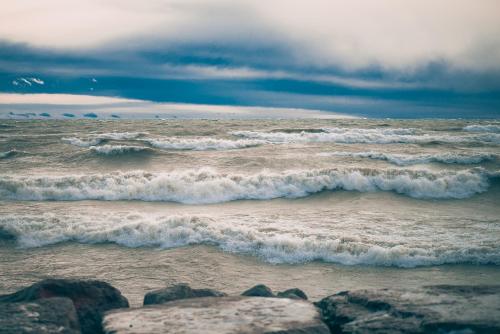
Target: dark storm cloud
[{"x": 219, "y": 52}]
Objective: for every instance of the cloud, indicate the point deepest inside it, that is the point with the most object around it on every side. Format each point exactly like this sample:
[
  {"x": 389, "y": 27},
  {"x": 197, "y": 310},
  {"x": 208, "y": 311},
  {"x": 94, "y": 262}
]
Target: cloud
[
  {"x": 391, "y": 34},
  {"x": 22, "y": 106},
  {"x": 59, "y": 99},
  {"x": 387, "y": 56}
]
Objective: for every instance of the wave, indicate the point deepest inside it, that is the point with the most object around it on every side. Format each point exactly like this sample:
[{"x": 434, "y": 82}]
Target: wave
[
  {"x": 287, "y": 246},
  {"x": 414, "y": 159},
  {"x": 118, "y": 149},
  {"x": 82, "y": 142},
  {"x": 96, "y": 139},
  {"x": 383, "y": 131},
  {"x": 201, "y": 144},
  {"x": 367, "y": 136},
  {"x": 7, "y": 126},
  {"x": 120, "y": 135},
  {"x": 296, "y": 130},
  {"x": 209, "y": 186},
  {"x": 482, "y": 128},
  {"x": 168, "y": 143},
  {"x": 10, "y": 153}
]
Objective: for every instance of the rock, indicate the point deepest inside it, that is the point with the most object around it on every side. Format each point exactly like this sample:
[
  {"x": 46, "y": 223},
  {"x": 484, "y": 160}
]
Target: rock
[
  {"x": 431, "y": 309},
  {"x": 219, "y": 316},
  {"x": 44, "y": 316},
  {"x": 293, "y": 294},
  {"x": 179, "y": 291},
  {"x": 259, "y": 290},
  {"x": 90, "y": 298}
]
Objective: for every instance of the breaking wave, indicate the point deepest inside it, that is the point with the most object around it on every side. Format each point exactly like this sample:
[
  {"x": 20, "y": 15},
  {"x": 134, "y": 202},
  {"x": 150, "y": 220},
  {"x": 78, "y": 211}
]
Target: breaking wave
[
  {"x": 367, "y": 136},
  {"x": 201, "y": 144},
  {"x": 288, "y": 246},
  {"x": 167, "y": 143},
  {"x": 414, "y": 159},
  {"x": 96, "y": 139},
  {"x": 121, "y": 135},
  {"x": 82, "y": 142},
  {"x": 210, "y": 186},
  {"x": 118, "y": 149},
  {"x": 483, "y": 128},
  {"x": 9, "y": 154}
]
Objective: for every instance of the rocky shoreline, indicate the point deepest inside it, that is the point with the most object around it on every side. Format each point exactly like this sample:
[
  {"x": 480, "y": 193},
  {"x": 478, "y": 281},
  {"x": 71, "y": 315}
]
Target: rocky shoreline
[{"x": 78, "y": 306}]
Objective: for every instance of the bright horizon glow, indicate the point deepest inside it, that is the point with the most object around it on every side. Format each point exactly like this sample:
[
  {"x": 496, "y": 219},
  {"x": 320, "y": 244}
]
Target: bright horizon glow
[
  {"x": 106, "y": 106},
  {"x": 354, "y": 34}
]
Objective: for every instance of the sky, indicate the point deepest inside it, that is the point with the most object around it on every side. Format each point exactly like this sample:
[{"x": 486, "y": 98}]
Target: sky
[{"x": 384, "y": 58}]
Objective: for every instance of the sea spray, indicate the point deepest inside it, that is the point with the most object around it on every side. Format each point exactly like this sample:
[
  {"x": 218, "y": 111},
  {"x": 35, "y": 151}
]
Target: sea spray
[
  {"x": 201, "y": 143},
  {"x": 207, "y": 185},
  {"x": 413, "y": 159},
  {"x": 296, "y": 245},
  {"x": 367, "y": 136}
]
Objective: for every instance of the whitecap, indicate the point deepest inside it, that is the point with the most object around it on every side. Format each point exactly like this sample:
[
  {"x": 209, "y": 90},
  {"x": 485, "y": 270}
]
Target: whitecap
[
  {"x": 82, "y": 142},
  {"x": 201, "y": 143},
  {"x": 95, "y": 139},
  {"x": 288, "y": 246},
  {"x": 117, "y": 149},
  {"x": 9, "y": 153},
  {"x": 209, "y": 186},
  {"x": 414, "y": 159},
  {"x": 482, "y": 128},
  {"x": 367, "y": 136}
]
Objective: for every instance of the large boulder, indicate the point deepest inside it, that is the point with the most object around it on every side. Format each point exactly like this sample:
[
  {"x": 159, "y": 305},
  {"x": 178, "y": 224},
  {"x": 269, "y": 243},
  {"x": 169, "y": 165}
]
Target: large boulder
[
  {"x": 221, "y": 315},
  {"x": 293, "y": 294},
  {"x": 431, "y": 309},
  {"x": 90, "y": 298},
  {"x": 179, "y": 291},
  {"x": 44, "y": 316},
  {"x": 259, "y": 290}
]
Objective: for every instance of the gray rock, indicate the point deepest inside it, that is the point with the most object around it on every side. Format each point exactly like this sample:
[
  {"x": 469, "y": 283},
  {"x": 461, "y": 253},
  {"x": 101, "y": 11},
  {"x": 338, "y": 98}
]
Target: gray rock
[
  {"x": 179, "y": 291},
  {"x": 431, "y": 309},
  {"x": 222, "y": 315},
  {"x": 51, "y": 315},
  {"x": 293, "y": 294},
  {"x": 90, "y": 298},
  {"x": 259, "y": 290}
]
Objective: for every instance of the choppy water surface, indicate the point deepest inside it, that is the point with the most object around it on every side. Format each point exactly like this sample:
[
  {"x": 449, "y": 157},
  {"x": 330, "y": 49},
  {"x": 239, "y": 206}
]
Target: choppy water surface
[{"x": 377, "y": 193}]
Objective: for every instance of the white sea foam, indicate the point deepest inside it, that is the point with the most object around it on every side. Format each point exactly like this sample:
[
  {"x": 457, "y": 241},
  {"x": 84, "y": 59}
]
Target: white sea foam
[
  {"x": 383, "y": 131},
  {"x": 210, "y": 186},
  {"x": 117, "y": 149},
  {"x": 202, "y": 143},
  {"x": 120, "y": 135},
  {"x": 96, "y": 139},
  {"x": 483, "y": 128},
  {"x": 82, "y": 142},
  {"x": 286, "y": 246},
  {"x": 414, "y": 159},
  {"x": 368, "y": 136},
  {"x": 9, "y": 153}
]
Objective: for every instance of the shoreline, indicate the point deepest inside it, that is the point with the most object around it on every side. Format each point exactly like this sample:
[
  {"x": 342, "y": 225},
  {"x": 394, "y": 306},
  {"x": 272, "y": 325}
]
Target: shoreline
[
  {"x": 138, "y": 270},
  {"x": 93, "y": 307}
]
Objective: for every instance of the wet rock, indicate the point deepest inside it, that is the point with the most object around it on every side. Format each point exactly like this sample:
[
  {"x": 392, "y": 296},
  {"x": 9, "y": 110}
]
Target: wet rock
[
  {"x": 51, "y": 315},
  {"x": 293, "y": 294},
  {"x": 179, "y": 291},
  {"x": 219, "y": 316},
  {"x": 90, "y": 298},
  {"x": 432, "y": 309},
  {"x": 259, "y": 290}
]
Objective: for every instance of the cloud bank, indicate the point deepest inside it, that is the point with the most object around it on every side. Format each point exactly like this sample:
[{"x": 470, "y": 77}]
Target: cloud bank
[{"x": 412, "y": 55}]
